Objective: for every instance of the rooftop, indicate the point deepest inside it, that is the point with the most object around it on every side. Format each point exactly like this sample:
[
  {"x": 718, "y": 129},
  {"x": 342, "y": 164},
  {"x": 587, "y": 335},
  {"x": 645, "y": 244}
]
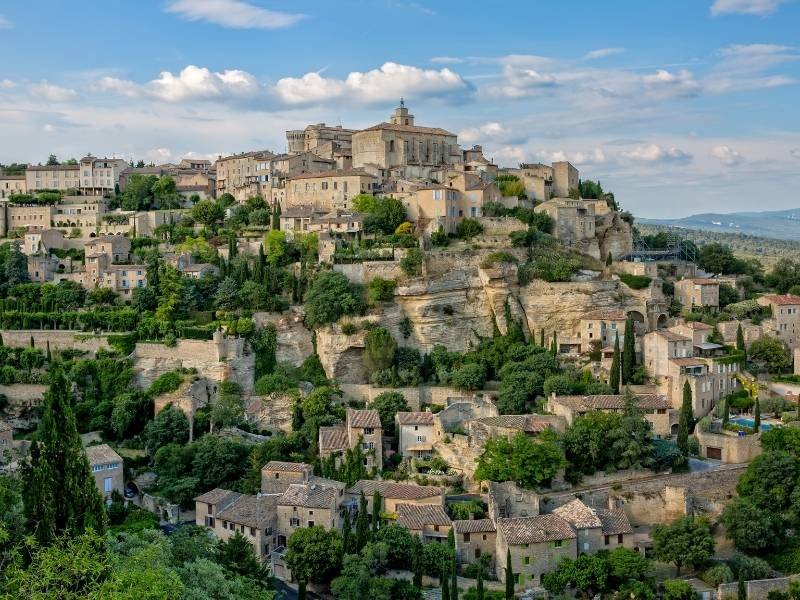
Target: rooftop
[
  {"x": 414, "y": 418},
  {"x": 363, "y": 418},
  {"x": 671, "y": 335},
  {"x": 287, "y": 467},
  {"x": 394, "y": 490},
  {"x": 578, "y": 515},
  {"x": 416, "y": 516},
  {"x": 614, "y": 521},
  {"x": 407, "y": 129},
  {"x": 216, "y": 495},
  {"x": 527, "y": 423},
  {"x": 308, "y": 496},
  {"x": 333, "y": 173},
  {"x": 102, "y": 454},
  {"x": 473, "y": 526},
  {"x": 251, "y": 511},
  {"x": 333, "y": 438},
  {"x": 783, "y": 300},
  {"x": 535, "y": 530},
  {"x": 611, "y": 402}
]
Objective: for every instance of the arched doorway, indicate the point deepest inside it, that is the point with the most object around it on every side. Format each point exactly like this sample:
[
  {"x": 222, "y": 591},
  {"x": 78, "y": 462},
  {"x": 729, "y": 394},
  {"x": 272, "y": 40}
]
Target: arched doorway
[
  {"x": 639, "y": 322},
  {"x": 661, "y": 321}
]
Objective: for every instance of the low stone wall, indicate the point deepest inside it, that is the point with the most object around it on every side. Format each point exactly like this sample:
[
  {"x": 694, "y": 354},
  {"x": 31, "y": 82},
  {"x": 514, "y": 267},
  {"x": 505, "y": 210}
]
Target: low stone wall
[
  {"x": 23, "y": 396},
  {"x": 59, "y": 339},
  {"x": 364, "y": 272},
  {"x": 166, "y": 511},
  {"x": 415, "y": 396},
  {"x": 757, "y": 589},
  {"x": 729, "y": 448},
  {"x": 501, "y": 225}
]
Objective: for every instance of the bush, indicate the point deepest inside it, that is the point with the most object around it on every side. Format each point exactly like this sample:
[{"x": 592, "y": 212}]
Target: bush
[
  {"x": 678, "y": 589},
  {"x": 330, "y": 297},
  {"x": 411, "y": 263},
  {"x": 439, "y": 237},
  {"x": 468, "y": 377},
  {"x": 550, "y": 266},
  {"x": 718, "y": 574},
  {"x": 379, "y": 350},
  {"x": 635, "y": 282},
  {"x": 168, "y": 382},
  {"x": 749, "y": 568},
  {"x": 498, "y": 257},
  {"x": 380, "y": 290},
  {"x": 468, "y": 229}
]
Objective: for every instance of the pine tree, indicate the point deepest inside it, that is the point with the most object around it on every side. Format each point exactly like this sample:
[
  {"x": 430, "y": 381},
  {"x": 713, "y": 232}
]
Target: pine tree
[
  {"x": 58, "y": 487},
  {"x": 740, "y": 340},
  {"x": 685, "y": 420},
  {"x": 510, "y": 572},
  {"x": 362, "y": 524},
  {"x": 628, "y": 352},
  {"x": 554, "y": 345},
  {"x": 377, "y": 507},
  {"x": 613, "y": 378},
  {"x": 757, "y": 417}
]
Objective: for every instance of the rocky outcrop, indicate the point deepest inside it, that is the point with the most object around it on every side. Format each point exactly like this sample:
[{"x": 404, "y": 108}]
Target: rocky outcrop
[
  {"x": 613, "y": 235},
  {"x": 273, "y": 412},
  {"x": 295, "y": 342},
  {"x": 341, "y": 354}
]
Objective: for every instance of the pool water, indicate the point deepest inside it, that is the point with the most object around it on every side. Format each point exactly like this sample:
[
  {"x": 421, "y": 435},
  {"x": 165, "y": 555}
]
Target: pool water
[{"x": 744, "y": 422}]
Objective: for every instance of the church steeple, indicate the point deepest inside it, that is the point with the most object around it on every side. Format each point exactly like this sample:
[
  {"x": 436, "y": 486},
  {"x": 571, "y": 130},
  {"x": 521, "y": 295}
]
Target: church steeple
[{"x": 401, "y": 115}]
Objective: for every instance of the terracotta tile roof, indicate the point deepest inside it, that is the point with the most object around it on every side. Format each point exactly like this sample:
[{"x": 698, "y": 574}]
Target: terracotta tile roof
[
  {"x": 53, "y": 167},
  {"x": 614, "y": 521},
  {"x": 308, "y": 496},
  {"x": 578, "y": 515},
  {"x": 671, "y": 335},
  {"x": 333, "y": 173},
  {"x": 687, "y": 362},
  {"x": 697, "y": 325},
  {"x": 102, "y": 454},
  {"x": 251, "y": 511},
  {"x": 407, "y": 129},
  {"x": 218, "y": 497},
  {"x": 301, "y": 211},
  {"x": 363, "y": 418},
  {"x": 333, "y": 438},
  {"x": 784, "y": 300},
  {"x": 527, "y": 423},
  {"x": 700, "y": 281},
  {"x": 395, "y": 491},
  {"x": 287, "y": 467},
  {"x": 415, "y": 516},
  {"x": 606, "y": 314},
  {"x": 535, "y": 530},
  {"x": 254, "y": 154},
  {"x": 611, "y": 402},
  {"x": 414, "y": 418},
  {"x": 473, "y": 525}
]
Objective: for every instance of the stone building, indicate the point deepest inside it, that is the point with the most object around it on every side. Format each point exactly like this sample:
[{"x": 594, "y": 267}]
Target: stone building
[
  {"x": 116, "y": 247},
  {"x": 245, "y": 175},
  {"x": 307, "y": 505},
  {"x": 394, "y": 494},
  {"x": 474, "y": 538},
  {"x": 107, "y": 469},
  {"x": 537, "y": 544},
  {"x": 405, "y": 148},
  {"x": 786, "y": 316},
  {"x": 415, "y": 433},
  {"x": 573, "y": 220},
  {"x": 227, "y": 513},
  {"x": 602, "y": 326},
  {"x": 657, "y": 408},
  {"x": 92, "y": 176},
  {"x": 506, "y": 499},
  {"x": 42, "y": 241},
  {"x": 361, "y": 427},
  {"x": 428, "y": 521},
  {"x": 324, "y": 140},
  {"x": 698, "y": 293},
  {"x": 329, "y": 190},
  {"x": 277, "y": 476},
  {"x": 12, "y": 185},
  {"x": 483, "y": 429},
  {"x": 543, "y": 182},
  {"x": 596, "y": 529}
]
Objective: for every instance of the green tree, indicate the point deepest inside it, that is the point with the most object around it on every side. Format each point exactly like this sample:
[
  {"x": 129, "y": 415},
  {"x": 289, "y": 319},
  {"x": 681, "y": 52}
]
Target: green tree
[
  {"x": 614, "y": 376},
  {"x": 377, "y": 508},
  {"x": 752, "y": 530},
  {"x": 388, "y": 404},
  {"x": 131, "y": 413},
  {"x": 362, "y": 524},
  {"x": 207, "y": 212},
  {"x": 685, "y": 420},
  {"x": 276, "y": 217},
  {"x": 237, "y": 555},
  {"x": 771, "y": 353},
  {"x": 740, "y": 345},
  {"x": 59, "y": 490},
  {"x": 510, "y": 580},
  {"x": 468, "y": 228},
  {"x": 16, "y": 266},
  {"x": 412, "y": 262},
  {"x": 686, "y": 541},
  {"x": 554, "y": 345},
  {"x": 379, "y": 349},
  {"x": 170, "y": 426},
  {"x": 757, "y": 416},
  {"x": 329, "y": 298},
  {"x": 528, "y": 462},
  {"x": 417, "y": 562},
  {"x": 314, "y": 555},
  {"x": 628, "y": 352},
  {"x": 678, "y": 589}
]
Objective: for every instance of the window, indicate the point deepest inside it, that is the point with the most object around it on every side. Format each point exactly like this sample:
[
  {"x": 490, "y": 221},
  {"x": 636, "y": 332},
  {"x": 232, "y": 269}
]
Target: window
[
  {"x": 208, "y": 509},
  {"x": 210, "y": 522},
  {"x": 294, "y": 522},
  {"x": 477, "y": 552},
  {"x": 253, "y": 531},
  {"x": 368, "y": 430},
  {"x": 466, "y": 537},
  {"x": 107, "y": 484},
  {"x": 311, "y": 523},
  {"x": 527, "y": 560},
  {"x": 607, "y": 539},
  {"x": 619, "y": 538},
  {"x": 558, "y": 543},
  {"x": 224, "y": 524}
]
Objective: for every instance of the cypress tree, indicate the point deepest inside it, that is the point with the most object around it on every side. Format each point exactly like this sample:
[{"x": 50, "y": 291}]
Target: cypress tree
[
  {"x": 741, "y": 590},
  {"x": 346, "y": 532},
  {"x": 685, "y": 420},
  {"x": 757, "y": 417},
  {"x": 417, "y": 562},
  {"x": 49, "y": 356},
  {"x": 445, "y": 583},
  {"x": 479, "y": 582},
  {"x": 451, "y": 541},
  {"x": 628, "y": 352},
  {"x": 740, "y": 339},
  {"x": 725, "y": 411},
  {"x": 554, "y": 345},
  {"x": 377, "y": 507},
  {"x": 33, "y": 344},
  {"x": 362, "y": 524},
  {"x": 233, "y": 249},
  {"x": 609, "y": 260},
  {"x": 510, "y": 572},
  {"x": 58, "y": 487},
  {"x": 276, "y": 217},
  {"x": 258, "y": 269},
  {"x": 613, "y": 378}
]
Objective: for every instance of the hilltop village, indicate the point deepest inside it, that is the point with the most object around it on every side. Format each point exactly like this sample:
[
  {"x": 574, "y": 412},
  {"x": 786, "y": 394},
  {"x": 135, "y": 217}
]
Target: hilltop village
[{"x": 379, "y": 365}]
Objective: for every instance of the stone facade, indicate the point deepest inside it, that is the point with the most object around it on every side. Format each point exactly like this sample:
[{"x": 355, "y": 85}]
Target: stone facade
[
  {"x": 59, "y": 339},
  {"x": 728, "y": 446},
  {"x": 107, "y": 469},
  {"x": 786, "y": 315},
  {"x": 697, "y": 293},
  {"x": 328, "y": 190}
]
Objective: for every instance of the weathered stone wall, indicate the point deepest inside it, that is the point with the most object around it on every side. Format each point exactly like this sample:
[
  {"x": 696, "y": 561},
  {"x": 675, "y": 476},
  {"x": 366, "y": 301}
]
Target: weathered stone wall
[
  {"x": 365, "y": 272},
  {"x": 341, "y": 354},
  {"x": 613, "y": 235},
  {"x": 59, "y": 339},
  {"x": 273, "y": 412},
  {"x": 188, "y": 398},
  {"x": 460, "y": 412},
  {"x": 224, "y": 358},
  {"x": 734, "y": 449},
  {"x": 501, "y": 225},
  {"x": 294, "y": 341},
  {"x": 415, "y": 396},
  {"x": 757, "y": 589}
]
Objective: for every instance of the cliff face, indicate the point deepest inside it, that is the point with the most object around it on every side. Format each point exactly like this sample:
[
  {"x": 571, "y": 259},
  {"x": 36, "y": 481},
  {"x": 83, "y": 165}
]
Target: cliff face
[{"x": 294, "y": 341}]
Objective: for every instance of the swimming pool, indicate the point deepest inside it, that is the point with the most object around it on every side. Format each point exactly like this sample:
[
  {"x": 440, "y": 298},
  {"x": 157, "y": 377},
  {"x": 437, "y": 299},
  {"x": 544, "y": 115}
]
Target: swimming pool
[{"x": 745, "y": 422}]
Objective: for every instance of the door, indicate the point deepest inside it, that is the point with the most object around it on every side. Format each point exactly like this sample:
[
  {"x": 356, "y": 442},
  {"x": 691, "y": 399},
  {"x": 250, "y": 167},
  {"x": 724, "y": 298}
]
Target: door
[
  {"x": 715, "y": 453},
  {"x": 108, "y": 485}
]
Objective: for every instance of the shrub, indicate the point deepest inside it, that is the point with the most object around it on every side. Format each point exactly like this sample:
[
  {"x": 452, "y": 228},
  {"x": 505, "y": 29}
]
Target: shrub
[
  {"x": 349, "y": 328},
  {"x": 379, "y": 350},
  {"x": 330, "y": 297},
  {"x": 718, "y": 574},
  {"x": 549, "y": 266},
  {"x": 498, "y": 257},
  {"x": 468, "y": 377},
  {"x": 380, "y": 290},
  {"x": 411, "y": 263},
  {"x": 168, "y": 382},
  {"x": 468, "y": 229},
  {"x": 439, "y": 237},
  {"x": 635, "y": 282}
]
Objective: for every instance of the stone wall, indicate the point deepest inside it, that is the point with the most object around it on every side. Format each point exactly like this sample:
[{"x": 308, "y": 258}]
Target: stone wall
[
  {"x": 188, "y": 398},
  {"x": 220, "y": 359},
  {"x": 23, "y": 395},
  {"x": 732, "y": 448},
  {"x": 365, "y": 272},
  {"x": 501, "y": 225},
  {"x": 294, "y": 342},
  {"x": 59, "y": 339},
  {"x": 459, "y": 412},
  {"x": 757, "y": 589},
  {"x": 415, "y": 396}
]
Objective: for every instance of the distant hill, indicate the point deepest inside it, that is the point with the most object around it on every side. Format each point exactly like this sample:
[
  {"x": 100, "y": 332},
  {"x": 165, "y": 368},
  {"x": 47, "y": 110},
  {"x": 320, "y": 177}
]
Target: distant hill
[{"x": 778, "y": 224}]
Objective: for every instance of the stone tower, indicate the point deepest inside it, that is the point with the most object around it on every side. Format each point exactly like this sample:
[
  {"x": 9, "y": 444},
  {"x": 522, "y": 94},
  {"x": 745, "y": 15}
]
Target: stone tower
[{"x": 401, "y": 115}]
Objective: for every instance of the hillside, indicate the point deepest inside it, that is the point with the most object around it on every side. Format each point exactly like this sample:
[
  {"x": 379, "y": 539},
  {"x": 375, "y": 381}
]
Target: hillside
[{"x": 779, "y": 224}]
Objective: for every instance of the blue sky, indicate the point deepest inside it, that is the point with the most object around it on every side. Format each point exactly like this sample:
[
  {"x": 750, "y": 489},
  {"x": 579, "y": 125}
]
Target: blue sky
[{"x": 678, "y": 107}]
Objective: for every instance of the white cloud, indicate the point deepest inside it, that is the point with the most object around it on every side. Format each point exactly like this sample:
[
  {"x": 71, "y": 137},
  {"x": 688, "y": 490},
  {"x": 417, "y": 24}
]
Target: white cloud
[
  {"x": 602, "y": 53},
  {"x": 447, "y": 60},
  {"x": 115, "y": 85},
  {"x": 654, "y": 153},
  {"x": 760, "y": 8},
  {"x": 48, "y": 128},
  {"x": 198, "y": 83},
  {"x": 521, "y": 82},
  {"x": 53, "y": 93},
  {"x": 795, "y": 153},
  {"x": 236, "y": 14},
  {"x": 596, "y": 156},
  {"x": 681, "y": 82},
  {"x": 5, "y": 23},
  {"x": 389, "y": 82},
  {"x": 492, "y": 129},
  {"x": 727, "y": 155},
  {"x": 7, "y": 84}
]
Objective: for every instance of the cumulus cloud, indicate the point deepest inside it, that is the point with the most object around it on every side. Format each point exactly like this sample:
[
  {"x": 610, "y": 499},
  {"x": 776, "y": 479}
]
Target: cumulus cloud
[
  {"x": 591, "y": 157},
  {"x": 5, "y": 23},
  {"x": 760, "y": 8},
  {"x": 727, "y": 155},
  {"x": 115, "y": 85},
  {"x": 53, "y": 93},
  {"x": 681, "y": 82},
  {"x": 199, "y": 83},
  {"x": 7, "y": 84},
  {"x": 235, "y": 14},
  {"x": 521, "y": 82},
  {"x": 492, "y": 129},
  {"x": 652, "y": 153},
  {"x": 602, "y": 53},
  {"x": 388, "y": 82}
]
